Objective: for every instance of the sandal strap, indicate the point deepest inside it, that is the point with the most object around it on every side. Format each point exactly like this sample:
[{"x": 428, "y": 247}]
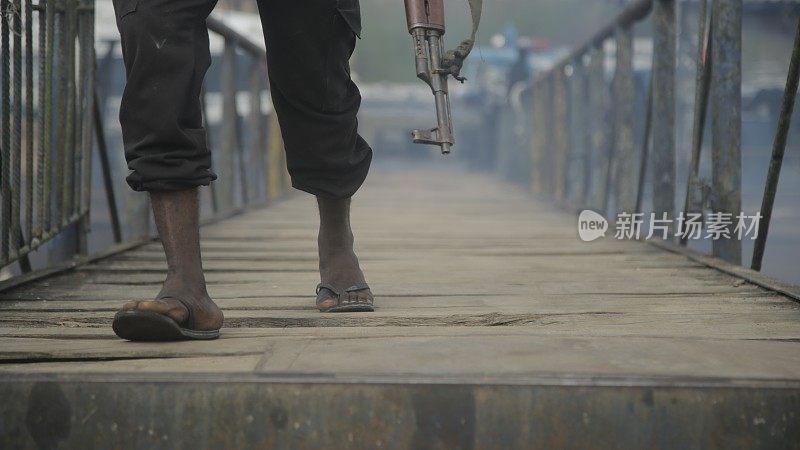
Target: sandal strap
[
  {"x": 329, "y": 287},
  {"x": 357, "y": 287},
  {"x": 189, "y": 322}
]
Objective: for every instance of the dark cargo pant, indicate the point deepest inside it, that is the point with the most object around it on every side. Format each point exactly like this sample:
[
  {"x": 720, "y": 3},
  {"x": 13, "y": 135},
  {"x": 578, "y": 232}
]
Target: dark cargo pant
[{"x": 309, "y": 44}]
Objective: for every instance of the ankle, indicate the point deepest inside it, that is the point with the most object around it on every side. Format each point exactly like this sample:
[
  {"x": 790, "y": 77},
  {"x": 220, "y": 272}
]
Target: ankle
[
  {"x": 186, "y": 283},
  {"x": 329, "y": 242}
]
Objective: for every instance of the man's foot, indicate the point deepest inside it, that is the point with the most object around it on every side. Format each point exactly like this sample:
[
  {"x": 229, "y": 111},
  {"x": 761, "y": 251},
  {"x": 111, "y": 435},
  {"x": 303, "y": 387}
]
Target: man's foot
[
  {"x": 183, "y": 308},
  {"x": 338, "y": 264},
  {"x": 174, "y": 302}
]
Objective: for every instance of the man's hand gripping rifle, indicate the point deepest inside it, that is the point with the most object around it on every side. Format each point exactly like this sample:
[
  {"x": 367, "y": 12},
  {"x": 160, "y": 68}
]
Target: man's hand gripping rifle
[{"x": 426, "y": 24}]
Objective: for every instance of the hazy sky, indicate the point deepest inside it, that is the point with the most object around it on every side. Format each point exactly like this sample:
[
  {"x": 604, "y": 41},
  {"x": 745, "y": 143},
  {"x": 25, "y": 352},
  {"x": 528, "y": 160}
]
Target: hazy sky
[{"x": 385, "y": 48}]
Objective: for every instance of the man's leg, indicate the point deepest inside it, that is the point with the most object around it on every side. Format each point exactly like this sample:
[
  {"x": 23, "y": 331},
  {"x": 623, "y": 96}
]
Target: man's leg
[
  {"x": 338, "y": 264},
  {"x": 309, "y": 45},
  {"x": 177, "y": 219},
  {"x": 165, "y": 49}
]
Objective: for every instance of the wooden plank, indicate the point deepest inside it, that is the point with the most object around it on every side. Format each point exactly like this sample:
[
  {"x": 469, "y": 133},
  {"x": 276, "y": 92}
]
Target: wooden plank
[{"x": 473, "y": 278}]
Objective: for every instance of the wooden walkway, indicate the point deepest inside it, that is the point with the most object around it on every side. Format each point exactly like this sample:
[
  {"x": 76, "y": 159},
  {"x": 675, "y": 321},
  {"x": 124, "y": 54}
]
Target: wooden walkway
[{"x": 475, "y": 282}]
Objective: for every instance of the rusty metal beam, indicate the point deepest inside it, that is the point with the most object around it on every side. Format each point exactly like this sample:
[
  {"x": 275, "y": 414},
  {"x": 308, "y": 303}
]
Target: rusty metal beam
[
  {"x": 285, "y": 411},
  {"x": 624, "y": 161},
  {"x": 663, "y": 92},
  {"x": 726, "y": 123},
  {"x": 778, "y": 149}
]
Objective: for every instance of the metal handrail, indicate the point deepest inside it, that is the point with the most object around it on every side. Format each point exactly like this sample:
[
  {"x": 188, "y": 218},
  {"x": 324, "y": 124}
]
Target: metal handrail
[{"x": 558, "y": 131}]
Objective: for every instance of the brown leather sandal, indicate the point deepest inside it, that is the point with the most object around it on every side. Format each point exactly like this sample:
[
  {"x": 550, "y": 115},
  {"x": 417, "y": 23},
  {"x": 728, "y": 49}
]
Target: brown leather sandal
[{"x": 135, "y": 325}]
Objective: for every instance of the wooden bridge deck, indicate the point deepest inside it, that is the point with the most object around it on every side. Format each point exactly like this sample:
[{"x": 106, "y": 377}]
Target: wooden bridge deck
[{"x": 476, "y": 284}]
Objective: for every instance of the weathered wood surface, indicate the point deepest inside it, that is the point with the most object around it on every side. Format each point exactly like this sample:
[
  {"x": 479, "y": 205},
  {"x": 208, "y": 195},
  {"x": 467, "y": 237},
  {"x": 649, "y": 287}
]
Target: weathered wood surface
[{"x": 473, "y": 279}]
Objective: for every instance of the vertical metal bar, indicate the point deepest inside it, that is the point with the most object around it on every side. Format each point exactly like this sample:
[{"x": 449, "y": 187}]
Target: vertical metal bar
[
  {"x": 586, "y": 129},
  {"x": 702, "y": 88},
  {"x": 137, "y": 207},
  {"x": 610, "y": 145},
  {"x": 645, "y": 156},
  {"x": 88, "y": 69},
  {"x": 663, "y": 92},
  {"x": 70, "y": 154},
  {"x": 258, "y": 146},
  {"x": 576, "y": 150},
  {"x": 5, "y": 135},
  {"x": 624, "y": 162},
  {"x": 47, "y": 103},
  {"x": 726, "y": 98},
  {"x": 561, "y": 124},
  {"x": 209, "y": 140},
  {"x": 551, "y": 146},
  {"x": 778, "y": 149},
  {"x": 228, "y": 144},
  {"x": 274, "y": 153},
  {"x": 105, "y": 168},
  {"x": 40, "y": 149},
  {"x": 545, "y": 170},
  {"x": 59, "y": 104},
  {"x": 539, "y": 137},
  {"x": 571, "y": 143},
  {"x": 29, "y": 121},
  {"x": 547, "y": 132},
  {"x": 83, "y": 107},
  {"x": 241, "y": 152},
  {"x": 598, "y": 127},
  {"x": 78, "y": 110},
  {"x": 16, "y": 125}
]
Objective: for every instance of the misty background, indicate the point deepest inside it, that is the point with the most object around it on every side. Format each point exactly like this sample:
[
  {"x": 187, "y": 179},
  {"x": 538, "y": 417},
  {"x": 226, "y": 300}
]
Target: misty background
[{"x": 494, "y": 133}]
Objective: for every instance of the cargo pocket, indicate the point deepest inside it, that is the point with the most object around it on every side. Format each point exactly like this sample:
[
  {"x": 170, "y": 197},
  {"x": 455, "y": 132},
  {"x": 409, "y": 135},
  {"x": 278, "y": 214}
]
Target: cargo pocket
[
  {"x": 125, "y": 7},
  {"x": 350, "y": 11}
]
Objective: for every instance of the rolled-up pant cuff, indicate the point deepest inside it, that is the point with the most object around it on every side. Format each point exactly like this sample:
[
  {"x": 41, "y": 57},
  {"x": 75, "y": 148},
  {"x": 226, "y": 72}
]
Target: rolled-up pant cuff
[{"x": 174, "y": 184}]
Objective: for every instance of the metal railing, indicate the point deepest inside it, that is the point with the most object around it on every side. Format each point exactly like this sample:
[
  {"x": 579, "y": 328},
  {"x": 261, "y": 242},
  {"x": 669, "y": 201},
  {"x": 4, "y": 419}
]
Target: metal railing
[
  {"x": 259, "y": 166},
  {"x": 52, "y": 117},
  {"x": 584, "y": 150},
  {"x": 46, "y": 127}
]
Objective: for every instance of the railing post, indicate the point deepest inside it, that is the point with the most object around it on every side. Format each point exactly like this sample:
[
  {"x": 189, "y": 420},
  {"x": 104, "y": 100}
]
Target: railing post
[
  {"x": 561, "y": 134},
  {"x": 663, "y": 91},
  {"x": 137, "y": 213},
  {"x": 624, "y": 161},
  {"x": 274, "y": 158},
  {"x": 5, "y": 138},
  {"x": 88, "y": 81},
  {"x": 702, "y": 87},
  {"x": 778, "y": 149},
  {"x": 579, "y": 149},
  {"x": 584, "y": 131},
  {"x": 539, "y": 138},
  {"x": 726, "y": 101},
  {"x": 598, "y": 122},
  {"x": 548, "y": 135},
  {"x": 258, "y": 133},
  {"x": 223, "y": 162}
]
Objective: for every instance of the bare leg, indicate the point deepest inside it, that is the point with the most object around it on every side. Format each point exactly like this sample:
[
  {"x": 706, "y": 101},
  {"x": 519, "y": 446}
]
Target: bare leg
[
  {"x": 177, "y": 216},
  {"x": 338, "y": 264}
]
